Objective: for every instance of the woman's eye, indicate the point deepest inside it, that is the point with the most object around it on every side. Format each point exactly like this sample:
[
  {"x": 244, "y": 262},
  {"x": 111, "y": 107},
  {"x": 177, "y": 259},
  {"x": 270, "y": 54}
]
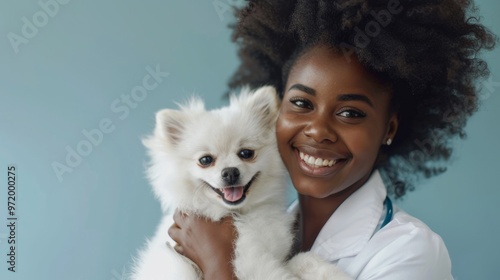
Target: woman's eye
[
  {"x": 246, "y": 154},
  {"x": 206, "y": 160},
  {"x": 301, "y": 103},
  {"x": 350, "y": 113}
]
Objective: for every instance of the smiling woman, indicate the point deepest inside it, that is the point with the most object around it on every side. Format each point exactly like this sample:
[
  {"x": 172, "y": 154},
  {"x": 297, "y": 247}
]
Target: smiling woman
[
  {"x": 333, "y": 111},
  {"x": 361, "y": 83}
]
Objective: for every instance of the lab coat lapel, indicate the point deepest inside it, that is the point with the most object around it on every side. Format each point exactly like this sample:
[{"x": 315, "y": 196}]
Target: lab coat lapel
[{"x": 351, "y": 226}]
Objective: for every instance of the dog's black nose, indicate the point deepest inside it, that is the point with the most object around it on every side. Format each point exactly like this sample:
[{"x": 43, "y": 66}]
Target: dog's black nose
[{"x": 230, "y": 175}]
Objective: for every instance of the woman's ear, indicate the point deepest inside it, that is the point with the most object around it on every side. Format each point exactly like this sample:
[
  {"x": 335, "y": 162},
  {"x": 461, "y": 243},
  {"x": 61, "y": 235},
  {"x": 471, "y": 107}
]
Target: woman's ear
[{"x": 392, "y": 128}]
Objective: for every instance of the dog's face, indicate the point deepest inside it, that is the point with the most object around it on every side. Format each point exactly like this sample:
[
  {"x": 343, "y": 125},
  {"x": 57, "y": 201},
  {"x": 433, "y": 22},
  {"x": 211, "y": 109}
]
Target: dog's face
[
  {"x": 227, "y": 155},
  {"x": 227, "y": 171}
]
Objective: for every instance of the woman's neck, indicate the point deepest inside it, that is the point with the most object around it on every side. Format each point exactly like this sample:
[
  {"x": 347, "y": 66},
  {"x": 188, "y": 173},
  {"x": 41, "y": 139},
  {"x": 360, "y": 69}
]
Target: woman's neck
[{"x": 315, "y": 212}]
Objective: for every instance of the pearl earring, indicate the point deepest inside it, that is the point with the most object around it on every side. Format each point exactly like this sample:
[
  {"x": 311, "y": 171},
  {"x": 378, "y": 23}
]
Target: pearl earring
[{"x": 389, "y": 142}]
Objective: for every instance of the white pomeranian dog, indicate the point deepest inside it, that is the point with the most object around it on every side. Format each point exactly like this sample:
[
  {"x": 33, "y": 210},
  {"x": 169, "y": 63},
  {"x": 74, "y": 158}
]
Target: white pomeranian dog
[{"x": 218, "y": 163}]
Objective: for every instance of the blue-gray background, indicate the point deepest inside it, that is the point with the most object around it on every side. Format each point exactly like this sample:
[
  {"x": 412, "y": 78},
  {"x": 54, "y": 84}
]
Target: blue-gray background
[{"x": 71, "y": 74}]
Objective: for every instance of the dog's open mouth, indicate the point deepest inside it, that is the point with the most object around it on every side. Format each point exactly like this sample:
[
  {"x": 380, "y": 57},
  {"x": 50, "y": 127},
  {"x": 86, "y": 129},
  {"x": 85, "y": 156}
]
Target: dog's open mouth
[{"x": 234, "y": 195}]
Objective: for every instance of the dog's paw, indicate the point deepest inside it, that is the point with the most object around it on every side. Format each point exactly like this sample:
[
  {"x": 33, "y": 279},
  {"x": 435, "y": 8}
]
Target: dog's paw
[{"x": 309, "y": 266}]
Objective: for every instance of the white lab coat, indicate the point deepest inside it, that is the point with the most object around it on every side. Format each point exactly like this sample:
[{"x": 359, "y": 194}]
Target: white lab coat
[{"x": 405, "y": 248}]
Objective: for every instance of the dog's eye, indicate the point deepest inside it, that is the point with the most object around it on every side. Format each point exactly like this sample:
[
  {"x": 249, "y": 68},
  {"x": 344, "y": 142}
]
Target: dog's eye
[
  {"x": 246, "y": 154},
  {"x": 206, "y": 160}
]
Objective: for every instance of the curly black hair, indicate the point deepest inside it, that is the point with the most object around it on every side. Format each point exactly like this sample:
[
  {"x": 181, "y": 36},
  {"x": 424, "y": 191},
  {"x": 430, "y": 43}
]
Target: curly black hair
[{"x": 427, "y": 50}]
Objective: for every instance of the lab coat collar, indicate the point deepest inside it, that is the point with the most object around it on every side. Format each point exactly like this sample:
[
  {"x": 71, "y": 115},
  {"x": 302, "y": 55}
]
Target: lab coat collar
[{"x": 352, "y": 225}]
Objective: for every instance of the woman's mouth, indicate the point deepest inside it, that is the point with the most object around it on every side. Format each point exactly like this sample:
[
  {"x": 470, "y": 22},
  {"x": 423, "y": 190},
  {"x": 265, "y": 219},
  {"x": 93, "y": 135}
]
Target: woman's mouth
[
  {"x": 316, "y": 162},
  {"x": 317, "y": 166}
]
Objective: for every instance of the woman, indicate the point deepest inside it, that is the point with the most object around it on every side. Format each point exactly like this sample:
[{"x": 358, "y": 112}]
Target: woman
[{"x": 376, "y": 87}]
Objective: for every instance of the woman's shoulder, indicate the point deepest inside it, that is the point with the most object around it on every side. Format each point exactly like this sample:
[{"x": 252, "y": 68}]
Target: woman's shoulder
[
  {"x": 404, "y": 226},
  {"x": 405, "y": 247}
]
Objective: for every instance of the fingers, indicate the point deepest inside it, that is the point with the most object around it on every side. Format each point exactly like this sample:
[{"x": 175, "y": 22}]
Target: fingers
[
  {"x": 180, "y": 218},
  {"x": 175, "y": 230},
  {"x": 175, "y": 233},
  {"x": 178, "y": 248}
]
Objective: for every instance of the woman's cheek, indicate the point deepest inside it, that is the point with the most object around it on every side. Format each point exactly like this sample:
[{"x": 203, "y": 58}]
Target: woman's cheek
[
  {"x": 287, "y": 128},
  {"x": 364, "y": 144}
]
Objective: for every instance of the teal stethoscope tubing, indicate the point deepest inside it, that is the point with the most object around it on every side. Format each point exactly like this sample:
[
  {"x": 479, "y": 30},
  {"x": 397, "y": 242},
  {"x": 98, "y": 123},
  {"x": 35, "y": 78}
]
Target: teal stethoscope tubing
[{"x": 388, "y": 214}]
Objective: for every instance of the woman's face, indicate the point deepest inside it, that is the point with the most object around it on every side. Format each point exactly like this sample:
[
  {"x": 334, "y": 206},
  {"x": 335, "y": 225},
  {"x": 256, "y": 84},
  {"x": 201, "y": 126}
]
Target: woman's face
[{"x": 334, "y": 117}]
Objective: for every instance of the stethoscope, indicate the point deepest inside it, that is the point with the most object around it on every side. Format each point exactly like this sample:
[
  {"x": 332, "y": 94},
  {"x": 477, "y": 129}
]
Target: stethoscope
[{"x": 388, "y": 214}]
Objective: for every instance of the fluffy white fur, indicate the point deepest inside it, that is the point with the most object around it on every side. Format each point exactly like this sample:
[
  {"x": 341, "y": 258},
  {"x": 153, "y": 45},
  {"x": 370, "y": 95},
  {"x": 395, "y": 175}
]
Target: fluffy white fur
[{"x": 180, "y": 139}]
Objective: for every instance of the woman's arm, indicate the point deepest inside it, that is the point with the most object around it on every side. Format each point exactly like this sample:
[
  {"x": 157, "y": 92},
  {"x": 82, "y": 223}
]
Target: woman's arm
[{"x": 210, "y": 245}]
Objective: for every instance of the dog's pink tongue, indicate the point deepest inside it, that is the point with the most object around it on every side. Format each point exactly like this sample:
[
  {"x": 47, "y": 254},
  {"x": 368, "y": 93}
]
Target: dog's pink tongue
[{"x": 233, "y": 193}]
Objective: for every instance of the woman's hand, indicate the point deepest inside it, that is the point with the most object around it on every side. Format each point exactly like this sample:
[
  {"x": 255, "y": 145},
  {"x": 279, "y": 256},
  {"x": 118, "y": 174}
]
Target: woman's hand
[{"x": 208, "y": 244}]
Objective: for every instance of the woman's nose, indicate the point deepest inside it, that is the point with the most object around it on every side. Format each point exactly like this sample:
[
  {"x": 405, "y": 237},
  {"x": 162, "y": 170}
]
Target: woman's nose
[{"x": 321, "y": 129}]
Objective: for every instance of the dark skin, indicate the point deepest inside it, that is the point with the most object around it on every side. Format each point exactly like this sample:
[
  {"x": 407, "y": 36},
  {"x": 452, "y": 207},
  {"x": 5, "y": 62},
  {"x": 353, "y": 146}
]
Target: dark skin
[
  {"x": 311, "y": 220},
  {"x": 334, "y": 117},
  {"x": 212, "y": 252}
]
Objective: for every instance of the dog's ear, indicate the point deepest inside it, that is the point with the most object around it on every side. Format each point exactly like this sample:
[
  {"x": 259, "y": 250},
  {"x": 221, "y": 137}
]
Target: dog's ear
[
  {"x": 263, "y": 103},
  {"x": 170, "y": 125}
]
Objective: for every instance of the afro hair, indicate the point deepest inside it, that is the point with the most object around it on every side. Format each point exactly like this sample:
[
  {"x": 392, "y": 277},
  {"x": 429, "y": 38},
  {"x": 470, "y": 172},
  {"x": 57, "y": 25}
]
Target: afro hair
[{"x": 427, "y": 50}]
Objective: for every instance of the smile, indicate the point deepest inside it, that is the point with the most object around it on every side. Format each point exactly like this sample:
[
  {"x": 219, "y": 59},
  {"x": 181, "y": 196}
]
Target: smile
[
  {"x": 320, "y": 167},
  {"x": 234, "y": 195},
  {"x": 316, "y": 162}
]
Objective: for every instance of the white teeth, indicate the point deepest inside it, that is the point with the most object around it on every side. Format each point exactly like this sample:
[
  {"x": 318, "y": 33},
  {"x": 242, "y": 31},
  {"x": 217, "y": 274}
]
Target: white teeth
[
  {"x": 316, "y": 162},
  {"x": 311, "y": 160}
]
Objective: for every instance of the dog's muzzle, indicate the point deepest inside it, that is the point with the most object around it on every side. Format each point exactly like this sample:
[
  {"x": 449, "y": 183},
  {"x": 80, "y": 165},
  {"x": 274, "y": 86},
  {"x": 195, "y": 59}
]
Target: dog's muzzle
[{"x": 234, "y": 195}]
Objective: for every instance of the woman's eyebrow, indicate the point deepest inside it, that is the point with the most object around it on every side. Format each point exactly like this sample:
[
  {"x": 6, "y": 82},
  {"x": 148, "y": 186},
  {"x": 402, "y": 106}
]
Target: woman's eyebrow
[
  {"x": 303, "y": 88},
  {"x": 341, "y": 97},
  {"x": 354, "y": 97}
]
